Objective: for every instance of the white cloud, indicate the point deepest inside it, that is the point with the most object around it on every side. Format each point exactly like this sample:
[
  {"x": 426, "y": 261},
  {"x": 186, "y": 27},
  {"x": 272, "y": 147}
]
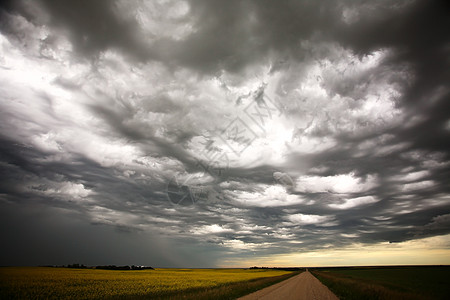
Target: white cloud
[
  {"x": 210, "y": 229},
  {"x": 304, "y": 219},
  {"x": 354, "y": 202},
  {"x": 344, "y": 183},
  {"x": 240, "y": 245},
  {"x": 267, "y": 196},
  {"x": 66, "y": 190},
  {"x": 331, "y": 100},
  {"x": 416, "y": 186},
  {"x": 413, "y": 176}
]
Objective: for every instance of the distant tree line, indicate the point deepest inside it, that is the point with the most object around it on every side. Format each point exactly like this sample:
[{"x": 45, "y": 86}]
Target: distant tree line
[
  {"x": 108, "y": 267},
  {"x": 133, "y": 267},
  {"x": 77, "y": 266}
]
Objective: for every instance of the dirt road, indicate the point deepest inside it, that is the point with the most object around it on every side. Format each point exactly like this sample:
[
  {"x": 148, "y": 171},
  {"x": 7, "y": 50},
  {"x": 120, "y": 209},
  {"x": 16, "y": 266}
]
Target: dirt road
[{"x": 303, "y": 286}]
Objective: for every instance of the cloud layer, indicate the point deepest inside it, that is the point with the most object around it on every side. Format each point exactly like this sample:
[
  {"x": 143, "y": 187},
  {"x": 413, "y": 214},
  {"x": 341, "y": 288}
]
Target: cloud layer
[{"x": 220, "y": 129}]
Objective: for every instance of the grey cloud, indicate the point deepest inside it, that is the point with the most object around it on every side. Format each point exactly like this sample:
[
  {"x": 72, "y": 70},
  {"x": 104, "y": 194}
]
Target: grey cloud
[
  {"x": 122, "y": 202},
  {"x": 284, "y": 179},
  {"x": 94, "y": 27}
]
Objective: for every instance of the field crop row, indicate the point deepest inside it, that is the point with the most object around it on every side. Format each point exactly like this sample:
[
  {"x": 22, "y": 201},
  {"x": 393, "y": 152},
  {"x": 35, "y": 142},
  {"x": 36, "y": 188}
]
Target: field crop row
[
  {"x": 387, "y": 282},
  {"x": 62, "y": 283}
]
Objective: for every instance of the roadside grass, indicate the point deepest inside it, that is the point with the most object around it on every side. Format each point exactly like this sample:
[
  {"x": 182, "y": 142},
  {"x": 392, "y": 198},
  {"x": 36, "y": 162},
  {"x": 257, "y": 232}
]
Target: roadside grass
[
  {"x": 63, "y": 283},
  {"x": 428, "y": 282}
]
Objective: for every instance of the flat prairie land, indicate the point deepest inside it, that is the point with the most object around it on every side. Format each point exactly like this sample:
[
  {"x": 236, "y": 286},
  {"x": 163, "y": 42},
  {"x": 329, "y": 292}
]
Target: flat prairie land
[
  {"x": 64, "y": 283},
  {"x": 409, "y": 282}
]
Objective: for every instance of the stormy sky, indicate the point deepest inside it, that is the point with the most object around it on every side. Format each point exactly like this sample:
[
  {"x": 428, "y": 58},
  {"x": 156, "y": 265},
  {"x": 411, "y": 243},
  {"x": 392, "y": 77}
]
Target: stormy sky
[{"x": 224, "y": 133}]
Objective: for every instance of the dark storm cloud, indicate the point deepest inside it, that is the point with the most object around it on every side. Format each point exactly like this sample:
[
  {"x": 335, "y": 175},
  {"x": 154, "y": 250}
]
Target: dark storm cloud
[
  {"x": 92, "y": 27},
  {"x": 419, "y": 35},
  {"x": 221, "y": 40},
  {"x": 33, "y": 228},
  {"x": 381, "y": 180},
  {"x": 233, "y": 34}
]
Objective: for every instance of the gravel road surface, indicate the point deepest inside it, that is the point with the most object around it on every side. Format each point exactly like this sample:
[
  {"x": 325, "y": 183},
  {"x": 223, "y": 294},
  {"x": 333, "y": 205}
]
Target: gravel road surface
[{"x": 303, "y": 286}]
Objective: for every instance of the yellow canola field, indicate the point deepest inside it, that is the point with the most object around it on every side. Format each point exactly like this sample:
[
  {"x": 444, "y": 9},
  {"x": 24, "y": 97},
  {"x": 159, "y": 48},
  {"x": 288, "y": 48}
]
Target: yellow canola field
[{"x": 62, "y": 283}]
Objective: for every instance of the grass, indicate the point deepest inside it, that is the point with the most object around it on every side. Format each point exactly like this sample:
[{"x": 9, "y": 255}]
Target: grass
[
  {"x": 427, "y": 282},
  {"x": 62, "y": 283}
]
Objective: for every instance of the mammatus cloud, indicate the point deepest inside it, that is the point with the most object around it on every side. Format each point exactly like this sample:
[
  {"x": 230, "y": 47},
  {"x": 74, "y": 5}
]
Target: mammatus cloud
[{"x": 206, "y": 132}]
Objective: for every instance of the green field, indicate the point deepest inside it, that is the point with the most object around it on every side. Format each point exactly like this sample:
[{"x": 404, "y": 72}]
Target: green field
[
  {"x": 427, "y": 282},
  {"x": 63, "y": 283}
]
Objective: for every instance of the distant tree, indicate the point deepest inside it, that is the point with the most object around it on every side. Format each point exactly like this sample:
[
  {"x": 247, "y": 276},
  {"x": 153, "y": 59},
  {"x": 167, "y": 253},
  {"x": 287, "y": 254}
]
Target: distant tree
[
  {"x": 76, "y": 266},
  {"x": 133, "y": 267}
]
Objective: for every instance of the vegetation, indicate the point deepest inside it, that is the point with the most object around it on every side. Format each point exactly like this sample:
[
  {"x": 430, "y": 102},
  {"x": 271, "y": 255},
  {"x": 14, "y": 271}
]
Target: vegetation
[
  {"x": 133, "y": 267},
  {"x": 428, "y": 282},
  {"x": 108, "y": 267},
  {"x": 84, "y": 283}
]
